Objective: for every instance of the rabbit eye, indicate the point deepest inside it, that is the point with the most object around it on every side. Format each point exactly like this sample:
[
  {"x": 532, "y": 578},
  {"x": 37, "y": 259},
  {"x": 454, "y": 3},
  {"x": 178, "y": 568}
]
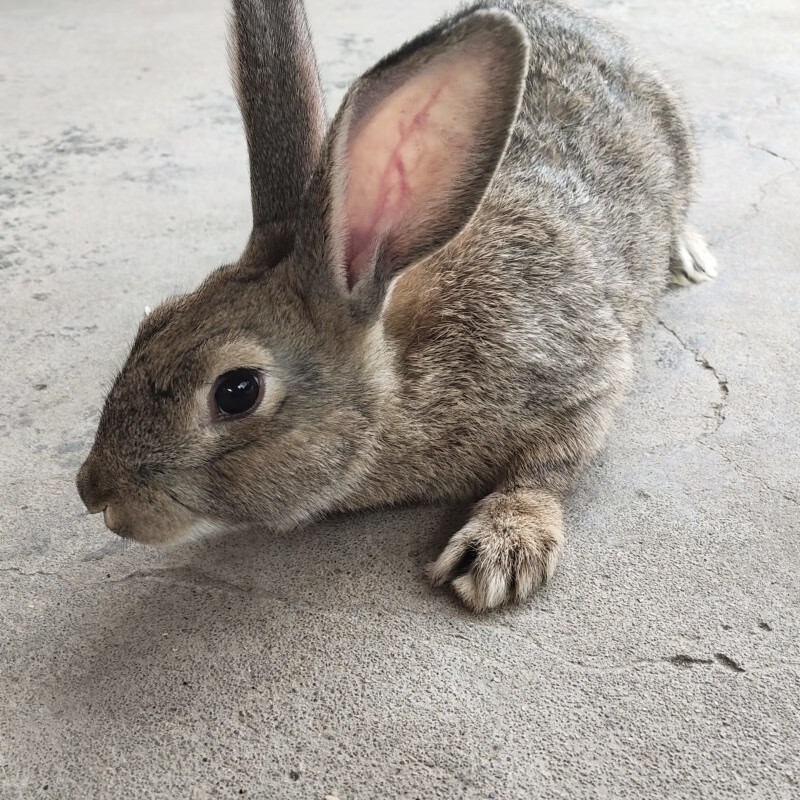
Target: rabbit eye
[{"x": 238, "y": 392}]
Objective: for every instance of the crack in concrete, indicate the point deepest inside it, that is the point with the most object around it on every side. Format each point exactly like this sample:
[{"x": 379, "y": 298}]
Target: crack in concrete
[
  {"x": 680, "y": 660},
  {"x": 181, "y": 575},
  {"x": 32, "y": 573},
  {"x": 763, "y": 191},
  {"x": 768, "y": 151},
  {"x": 744, "y": 472},
  {"x": 38, "y": 574},
  {"x": 685, "y": 661},
  {"x": 722, "y": 383}
]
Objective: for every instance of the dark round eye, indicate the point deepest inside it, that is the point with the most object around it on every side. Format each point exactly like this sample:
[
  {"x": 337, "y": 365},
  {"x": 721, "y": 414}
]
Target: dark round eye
[{"x": 237, "y": 392}]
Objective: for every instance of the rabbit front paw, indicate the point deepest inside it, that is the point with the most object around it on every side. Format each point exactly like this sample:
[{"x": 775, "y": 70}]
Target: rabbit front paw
[{"x": 509, "y": 548}]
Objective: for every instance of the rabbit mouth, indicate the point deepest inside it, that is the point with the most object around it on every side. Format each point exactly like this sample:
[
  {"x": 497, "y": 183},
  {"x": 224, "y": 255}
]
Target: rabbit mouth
[
  {"x": 113, "y": 523},
  {"x": 157, "y": 520}
]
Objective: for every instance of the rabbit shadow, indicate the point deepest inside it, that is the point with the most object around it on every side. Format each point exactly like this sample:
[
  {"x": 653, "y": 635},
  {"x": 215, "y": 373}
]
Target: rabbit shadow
[{"x": 235, "y": 610}]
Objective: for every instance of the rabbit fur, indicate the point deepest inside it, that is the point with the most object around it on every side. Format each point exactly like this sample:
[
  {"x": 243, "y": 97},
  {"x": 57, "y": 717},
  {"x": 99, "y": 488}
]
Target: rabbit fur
[{"x": 440, "y": 291}]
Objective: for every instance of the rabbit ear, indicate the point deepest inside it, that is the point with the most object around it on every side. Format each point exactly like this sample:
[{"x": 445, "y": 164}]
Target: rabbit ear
[
  {"x": 415, "y": 144},
  {"x": 277, "y": 85}
]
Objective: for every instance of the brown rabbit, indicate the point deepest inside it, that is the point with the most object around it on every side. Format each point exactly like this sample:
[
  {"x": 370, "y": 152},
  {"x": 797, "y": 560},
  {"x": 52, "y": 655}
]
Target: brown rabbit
[{"x": 437, "y": 300}]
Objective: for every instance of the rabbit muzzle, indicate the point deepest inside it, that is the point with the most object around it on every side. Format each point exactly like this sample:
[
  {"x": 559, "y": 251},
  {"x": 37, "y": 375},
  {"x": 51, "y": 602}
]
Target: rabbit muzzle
[
  {"x": 94, "y": 487},
  {"x": 143, "y": 513}
]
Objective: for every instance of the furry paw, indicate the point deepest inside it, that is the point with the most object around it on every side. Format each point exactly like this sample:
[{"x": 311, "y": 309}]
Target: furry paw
[
  {"x": 693, "y": 262},
  {"x": 506, "y": 551}
]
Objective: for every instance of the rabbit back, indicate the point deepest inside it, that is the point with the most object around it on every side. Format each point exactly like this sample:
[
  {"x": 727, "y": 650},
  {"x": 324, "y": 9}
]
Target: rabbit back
[{"x": 604, "y": 142}]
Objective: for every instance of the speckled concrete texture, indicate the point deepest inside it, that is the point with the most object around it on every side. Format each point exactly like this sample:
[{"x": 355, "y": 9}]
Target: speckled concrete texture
[{"x": 664, "y": 658}]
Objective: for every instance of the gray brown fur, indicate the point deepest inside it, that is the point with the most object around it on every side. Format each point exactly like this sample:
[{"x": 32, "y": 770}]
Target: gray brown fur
[{"x": 494, "y": 367}]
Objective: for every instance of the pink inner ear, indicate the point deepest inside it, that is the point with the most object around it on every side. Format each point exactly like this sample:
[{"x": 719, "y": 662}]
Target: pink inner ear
[{"x": 406, "y": 158}]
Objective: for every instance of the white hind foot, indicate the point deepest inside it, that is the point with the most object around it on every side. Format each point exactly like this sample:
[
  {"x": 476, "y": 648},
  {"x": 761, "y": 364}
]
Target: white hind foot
[{"x": 693, "y": 262}]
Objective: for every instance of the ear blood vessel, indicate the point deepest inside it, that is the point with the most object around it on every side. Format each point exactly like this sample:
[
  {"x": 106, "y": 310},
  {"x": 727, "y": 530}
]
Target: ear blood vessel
[{"x": 438, "y": 298}]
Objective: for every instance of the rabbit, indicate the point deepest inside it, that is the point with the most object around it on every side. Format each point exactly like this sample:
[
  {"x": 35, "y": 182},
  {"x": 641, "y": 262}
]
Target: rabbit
[{"x": 437, "y": 301}]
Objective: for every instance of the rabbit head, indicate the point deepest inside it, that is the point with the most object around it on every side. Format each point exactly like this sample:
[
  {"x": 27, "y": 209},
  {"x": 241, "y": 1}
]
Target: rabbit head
[{"x": 257, "y": 398}]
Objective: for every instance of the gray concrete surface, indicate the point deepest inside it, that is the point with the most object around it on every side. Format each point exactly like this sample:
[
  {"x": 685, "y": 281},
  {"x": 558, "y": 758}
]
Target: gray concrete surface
[{"x": 664, "y": 658}]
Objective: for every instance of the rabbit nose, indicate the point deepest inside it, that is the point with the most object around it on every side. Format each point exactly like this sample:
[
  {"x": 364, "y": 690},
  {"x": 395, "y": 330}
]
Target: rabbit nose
[{"x": 93, "y": 486}]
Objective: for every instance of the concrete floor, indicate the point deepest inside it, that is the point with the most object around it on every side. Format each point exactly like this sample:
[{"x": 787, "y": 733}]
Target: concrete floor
[{"x": 664, "y": 658}]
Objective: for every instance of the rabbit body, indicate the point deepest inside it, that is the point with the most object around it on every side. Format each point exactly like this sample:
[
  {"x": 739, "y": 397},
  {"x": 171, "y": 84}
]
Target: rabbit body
[
  {"x": 522, "y": 326},
  {"x": 475, "y": 348}
]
